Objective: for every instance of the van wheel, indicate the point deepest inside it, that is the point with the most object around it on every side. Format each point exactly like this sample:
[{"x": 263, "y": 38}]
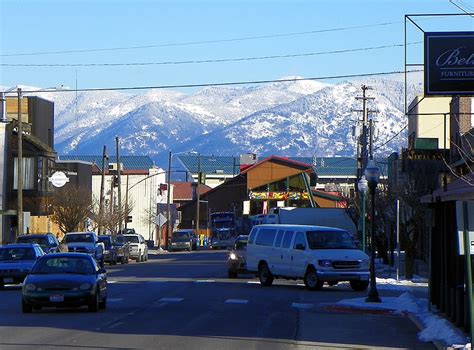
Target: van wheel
[
  {"x": 359, "y": 286},
  {"x": 264, "y": 274},
  {"x": 311, "y": 280}
]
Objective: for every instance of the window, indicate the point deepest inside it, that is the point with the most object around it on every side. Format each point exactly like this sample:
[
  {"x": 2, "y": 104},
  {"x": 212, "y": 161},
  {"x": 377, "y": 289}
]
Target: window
[
  {"x": 330, "y": 240},
  {"x": 28, "y": 168},
  {"x": 279, "y": 238},
  {"x": 252, "y": 235},
  {"x": 266, "y": 236},
  {"x": 299, "y": 239},
  {"x": 287, "y": 239}
]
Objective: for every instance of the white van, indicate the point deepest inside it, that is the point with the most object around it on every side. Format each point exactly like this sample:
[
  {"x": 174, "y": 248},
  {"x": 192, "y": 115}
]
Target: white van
[{"x": 316, "y": 254}]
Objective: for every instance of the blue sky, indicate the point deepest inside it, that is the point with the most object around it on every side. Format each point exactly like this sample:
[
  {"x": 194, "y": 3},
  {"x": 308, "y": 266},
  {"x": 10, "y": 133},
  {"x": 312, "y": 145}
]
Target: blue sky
[{"x": 47, "y": 25}]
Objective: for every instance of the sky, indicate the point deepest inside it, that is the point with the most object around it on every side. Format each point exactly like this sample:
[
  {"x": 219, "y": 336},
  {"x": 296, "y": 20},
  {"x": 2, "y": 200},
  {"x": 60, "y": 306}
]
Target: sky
[{"x": 177, "y": 29}]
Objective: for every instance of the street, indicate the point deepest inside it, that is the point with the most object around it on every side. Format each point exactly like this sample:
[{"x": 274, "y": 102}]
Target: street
[{"x": 185, "y": 301}]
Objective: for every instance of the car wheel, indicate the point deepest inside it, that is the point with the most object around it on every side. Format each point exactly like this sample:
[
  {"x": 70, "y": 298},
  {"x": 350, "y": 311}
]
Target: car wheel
[
  {"x": 359, "y": 286},
  {"x": 311, "y": 280},
  {"x": 25, "y": 307},
  {"x": 264, "y": 274},
  {"x": 103, "y": 303},
  {"x": 139, "y": 258},
  {"x": 94, "y": 303},
  {"x": 146, "y": 257},
  {"x": 231, "y": 274}
]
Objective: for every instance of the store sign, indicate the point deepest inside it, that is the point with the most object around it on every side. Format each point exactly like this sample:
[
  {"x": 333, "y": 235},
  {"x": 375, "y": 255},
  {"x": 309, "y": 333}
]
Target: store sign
[
  {"x": 279, "y": 196},
  {"x": 449, "y": 63},
  {"x": 59, "y": 179}
]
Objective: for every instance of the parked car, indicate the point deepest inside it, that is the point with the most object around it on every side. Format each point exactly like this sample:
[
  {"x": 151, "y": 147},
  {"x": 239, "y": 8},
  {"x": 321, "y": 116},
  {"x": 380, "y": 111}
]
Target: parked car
[
  {"x": 237, "y": 261},
  {"x": 315, "y": 254},
  {"x": 16, "y": 260},
  {"x": 184, "y": 239},
  {"x": 47, "y": 241},
  {"x": 110, "y": 252},
  {"x": 138, "y": 247},
  {"x": 65, "y": 280},
  {"x": 85, "y": 242},
  {"x": 122, "y": 248}
]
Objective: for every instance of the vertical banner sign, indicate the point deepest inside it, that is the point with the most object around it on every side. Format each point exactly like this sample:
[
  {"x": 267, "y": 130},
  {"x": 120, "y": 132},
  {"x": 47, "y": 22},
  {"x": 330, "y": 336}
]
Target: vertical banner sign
[{"x": 449, "y": 63}]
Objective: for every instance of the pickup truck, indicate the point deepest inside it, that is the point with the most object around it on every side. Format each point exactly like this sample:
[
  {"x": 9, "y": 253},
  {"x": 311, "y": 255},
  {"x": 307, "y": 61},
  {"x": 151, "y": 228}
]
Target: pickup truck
[{"x": 85, "y": 242}]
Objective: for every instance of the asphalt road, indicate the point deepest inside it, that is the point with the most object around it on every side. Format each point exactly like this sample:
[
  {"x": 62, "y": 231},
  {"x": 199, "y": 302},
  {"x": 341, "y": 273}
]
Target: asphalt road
[{"x": 186, "y": 301}]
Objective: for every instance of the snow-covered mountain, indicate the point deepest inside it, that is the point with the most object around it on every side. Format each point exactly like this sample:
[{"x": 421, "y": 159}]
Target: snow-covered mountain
[{"x": 292, "y": 118}]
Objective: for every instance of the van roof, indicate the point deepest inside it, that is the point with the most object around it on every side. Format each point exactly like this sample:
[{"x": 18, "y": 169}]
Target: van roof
[{"x": 300, "y": 227}]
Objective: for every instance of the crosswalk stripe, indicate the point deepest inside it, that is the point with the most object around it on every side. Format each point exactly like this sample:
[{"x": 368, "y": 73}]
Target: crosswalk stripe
[{"x": 236, "y": 301}]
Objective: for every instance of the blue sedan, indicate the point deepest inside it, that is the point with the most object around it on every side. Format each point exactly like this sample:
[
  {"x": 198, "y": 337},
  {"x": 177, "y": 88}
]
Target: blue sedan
[{"x": 65, "y": 280}]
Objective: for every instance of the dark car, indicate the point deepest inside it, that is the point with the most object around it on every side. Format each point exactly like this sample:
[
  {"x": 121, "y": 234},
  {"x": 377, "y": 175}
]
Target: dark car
[
  {"x": 236, "y": 262},
  {"x": 16, "y": 261},
  {"x": 47, "y": 241},
  {"x": 122, "y": 248},
  {"x": 184, "y": 239},
  {"x": 110, "y": 250},
  {"x": 65, "y": 280}
]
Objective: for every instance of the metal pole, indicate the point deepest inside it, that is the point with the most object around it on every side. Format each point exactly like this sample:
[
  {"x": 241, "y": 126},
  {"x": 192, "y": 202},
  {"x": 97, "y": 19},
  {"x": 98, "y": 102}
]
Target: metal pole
[
  {"x": 467, "y": 256},
  {"x": 399, "y": 259},
  {"x": 372, "y": 295},
  {"x": 126, "y": 204},
  {"x": 197, "y": 194},
  {"x": 168, "y": 196},
  {"x": 119, "y": 183},
  {"x": 3, "y": 118},
  {"x": 364, "y": 238},
  {"x": 102, "y": 183},
  {"x": 20, "y": 168}
]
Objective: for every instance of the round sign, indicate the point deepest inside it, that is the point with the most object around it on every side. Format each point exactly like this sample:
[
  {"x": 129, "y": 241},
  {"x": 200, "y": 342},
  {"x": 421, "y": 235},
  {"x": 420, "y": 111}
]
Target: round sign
[{"x": 59, "y": 179}]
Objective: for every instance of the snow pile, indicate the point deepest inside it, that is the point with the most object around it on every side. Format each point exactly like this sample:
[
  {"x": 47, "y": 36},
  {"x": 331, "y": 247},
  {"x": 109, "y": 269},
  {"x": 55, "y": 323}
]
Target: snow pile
[{"x": 436, "y": 328}]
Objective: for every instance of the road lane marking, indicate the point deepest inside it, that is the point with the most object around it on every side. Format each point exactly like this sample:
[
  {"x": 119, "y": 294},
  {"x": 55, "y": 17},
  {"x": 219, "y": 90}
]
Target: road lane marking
[
  {"x": 302, "y": 306},
  {"x": 114, "y": 300},
  {"x": 116, "y": 324},
  {"x": 253, "y": 282},
  {"x": 204, "y": 281},
  {"x": 171, "y": 300},
  {"x": 236, "y": 301}
]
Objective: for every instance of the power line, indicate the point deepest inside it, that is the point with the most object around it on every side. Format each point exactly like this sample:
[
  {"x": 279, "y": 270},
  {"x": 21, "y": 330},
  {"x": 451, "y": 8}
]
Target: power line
[
  {"x": 202, "y": 41},
  {"x": 239, "y": 59},
  {"x": 362, "y": 75}
]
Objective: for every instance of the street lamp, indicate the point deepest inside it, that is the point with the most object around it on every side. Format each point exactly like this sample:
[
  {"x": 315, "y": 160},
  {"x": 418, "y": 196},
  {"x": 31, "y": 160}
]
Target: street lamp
[
  {"x": 362, "y": 186},
  {"x": 372, "y": 174}
]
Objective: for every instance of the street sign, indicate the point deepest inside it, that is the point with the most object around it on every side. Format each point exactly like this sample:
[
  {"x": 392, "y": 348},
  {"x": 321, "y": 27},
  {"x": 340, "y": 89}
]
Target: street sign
[{"x": 58, "y": 179}]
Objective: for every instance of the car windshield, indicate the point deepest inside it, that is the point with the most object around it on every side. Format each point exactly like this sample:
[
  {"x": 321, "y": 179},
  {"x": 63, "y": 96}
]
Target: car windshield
[
  {"x": 330, "y": 240},
  {"x": 60, "y": 265},
  {"x": 240, "y": 245},
  {"x": 106, "y": 241},
  {"x": 41, "y": 241},
  {"x": 79, "y": 238},
  {"x": 119, "y": 240},
  {"x": 181, "y": 234},
  {"x": 17, "y": 254},
  {"x": 131, "y": 239}
]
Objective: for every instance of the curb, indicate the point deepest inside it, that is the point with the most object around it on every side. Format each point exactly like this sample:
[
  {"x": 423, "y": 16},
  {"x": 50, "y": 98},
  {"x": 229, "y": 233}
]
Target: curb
[{"x": 420, "y": 327}]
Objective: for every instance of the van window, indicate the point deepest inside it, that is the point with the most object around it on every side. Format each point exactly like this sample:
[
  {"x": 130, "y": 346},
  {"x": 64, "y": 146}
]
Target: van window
[
  {"x": 287, "y": 239},
  {"x": 266, "y": 236},
  {"x": 252, "y": 235},
  {"x": 299, "y": 239},
  {"x": 330, "y": 240},
  {"x": 278, "y": 239}
]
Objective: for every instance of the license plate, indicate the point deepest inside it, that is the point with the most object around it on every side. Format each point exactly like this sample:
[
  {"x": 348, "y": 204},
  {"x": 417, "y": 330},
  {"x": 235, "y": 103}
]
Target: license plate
[
  {"x": 56, "y": 298},
  {"x": 8, "y": 280}
]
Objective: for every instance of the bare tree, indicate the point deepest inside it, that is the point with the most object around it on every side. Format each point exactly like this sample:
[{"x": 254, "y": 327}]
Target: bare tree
[
  {"x": 70, "y": 206},
  {"x": 111, "y": 217}
]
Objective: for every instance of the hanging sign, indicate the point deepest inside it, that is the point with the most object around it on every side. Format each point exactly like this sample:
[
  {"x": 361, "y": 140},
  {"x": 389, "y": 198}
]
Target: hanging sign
[{"x": 58, "y": 179}]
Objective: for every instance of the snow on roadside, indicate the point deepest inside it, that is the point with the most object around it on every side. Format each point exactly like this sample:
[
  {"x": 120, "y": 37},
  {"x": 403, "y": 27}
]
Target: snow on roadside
[{"x": 436, "y": 328}]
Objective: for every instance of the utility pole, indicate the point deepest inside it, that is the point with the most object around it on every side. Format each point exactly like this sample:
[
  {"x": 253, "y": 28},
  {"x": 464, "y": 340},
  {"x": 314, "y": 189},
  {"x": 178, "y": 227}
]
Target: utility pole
[
  {"x": 102, "y": 183},
  {"x": 168, "y": 199},
  {"x": 197, "y": 194},
  {"x": 20, "y": 168},
  {"x": 119, "y": 183},
  {"x": 126, "y": 204},
  {"x": 363, "y": 139},
  {"x": 371, "y": 139}
]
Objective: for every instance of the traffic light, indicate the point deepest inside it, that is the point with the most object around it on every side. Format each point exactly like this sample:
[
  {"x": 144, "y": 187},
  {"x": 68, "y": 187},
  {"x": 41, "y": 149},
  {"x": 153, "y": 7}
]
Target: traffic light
[{"x": 115, "y": 181}]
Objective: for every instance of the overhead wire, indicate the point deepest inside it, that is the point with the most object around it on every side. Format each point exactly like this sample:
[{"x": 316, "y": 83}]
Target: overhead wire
[{"x": 201, "y": 42}]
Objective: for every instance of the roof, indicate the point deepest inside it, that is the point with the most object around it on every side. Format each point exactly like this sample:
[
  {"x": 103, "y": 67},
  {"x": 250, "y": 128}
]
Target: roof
[
  {"x": 183, "y": 191},
  {"x": 225, "y": 165},
  {"x": 129, "y": 162},
  {"x": 460, "y": 189},
  {"x": 281, "y": 160}
]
